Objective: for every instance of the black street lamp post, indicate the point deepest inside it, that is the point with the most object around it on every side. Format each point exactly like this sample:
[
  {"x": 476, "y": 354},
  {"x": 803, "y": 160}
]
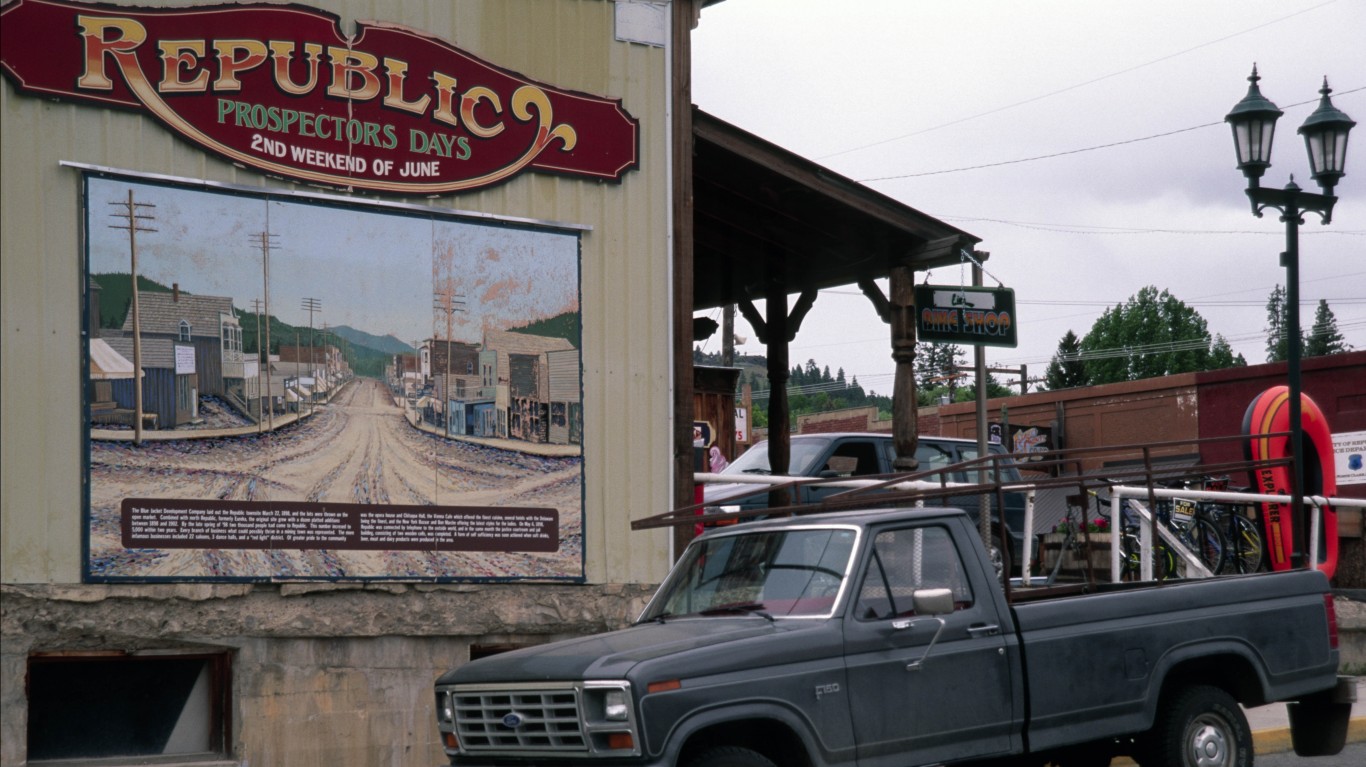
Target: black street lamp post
[{"x": 1325, "y": 137}]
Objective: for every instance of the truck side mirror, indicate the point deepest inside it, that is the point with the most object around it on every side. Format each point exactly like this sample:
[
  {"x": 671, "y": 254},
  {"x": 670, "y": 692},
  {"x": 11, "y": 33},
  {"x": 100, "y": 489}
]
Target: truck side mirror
[{"x": 932, "y": 601}]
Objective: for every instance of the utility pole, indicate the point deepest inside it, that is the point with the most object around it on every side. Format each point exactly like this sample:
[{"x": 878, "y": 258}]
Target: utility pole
[
  {"x": 299, "y": 379},
  {"x": 133, "y": 217},
  {"x": 260, "y": 412},
  {"x": 728, "y": 336},
  {"x": 1021, "y": 371},
  {"x": 267, "y": 242},
  {"x": 446, "y": 300},
  {"x": 311, "y": 305}
]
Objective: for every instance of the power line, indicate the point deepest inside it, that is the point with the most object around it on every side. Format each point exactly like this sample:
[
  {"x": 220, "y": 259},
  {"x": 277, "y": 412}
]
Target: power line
[
  {"x": 1071, "y": 87},
  {"x": 1100, "y": 229},
  {"x": 1075, "y": 151}
]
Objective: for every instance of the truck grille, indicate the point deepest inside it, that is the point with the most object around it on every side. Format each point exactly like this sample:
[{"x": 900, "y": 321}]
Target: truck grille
[{"x": 534, "y": 720}]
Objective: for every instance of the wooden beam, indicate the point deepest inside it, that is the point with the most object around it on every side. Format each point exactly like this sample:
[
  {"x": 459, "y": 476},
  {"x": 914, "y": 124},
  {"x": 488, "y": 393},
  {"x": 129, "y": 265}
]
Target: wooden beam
[
  {"x": 905, "y": 418},
  {"x": 684, "y": 14}
]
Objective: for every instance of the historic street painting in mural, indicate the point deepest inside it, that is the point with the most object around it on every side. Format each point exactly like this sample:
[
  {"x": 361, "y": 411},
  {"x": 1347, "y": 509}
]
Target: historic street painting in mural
[{"x": 418, "y": 415}]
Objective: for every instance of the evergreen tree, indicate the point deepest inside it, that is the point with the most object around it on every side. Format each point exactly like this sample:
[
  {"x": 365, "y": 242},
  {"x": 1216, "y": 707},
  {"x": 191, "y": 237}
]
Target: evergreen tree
[
  {"x": 1221, "y": 355},
  {"x": 935, "y": 363},
  {"x": 1276, "y": 326},
  {"x": 1324, "y": 338},
  {"x": 926, "y": 366},
  {"x": 1066, "y": 369}
]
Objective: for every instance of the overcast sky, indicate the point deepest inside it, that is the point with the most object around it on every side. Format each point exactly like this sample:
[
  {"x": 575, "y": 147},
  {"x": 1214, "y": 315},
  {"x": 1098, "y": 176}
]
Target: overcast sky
[{"x": 904, "y": 95}]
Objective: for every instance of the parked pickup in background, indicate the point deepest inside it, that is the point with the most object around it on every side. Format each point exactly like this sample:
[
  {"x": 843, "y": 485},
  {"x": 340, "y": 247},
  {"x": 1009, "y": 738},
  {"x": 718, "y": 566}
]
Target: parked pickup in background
[
  {"x": 859, "y": 454},
  {"x": 877, "y": 638}
]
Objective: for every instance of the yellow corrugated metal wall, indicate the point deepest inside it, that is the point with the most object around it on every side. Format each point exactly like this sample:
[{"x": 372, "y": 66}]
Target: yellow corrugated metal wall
[{"x": 625, "y": 275}]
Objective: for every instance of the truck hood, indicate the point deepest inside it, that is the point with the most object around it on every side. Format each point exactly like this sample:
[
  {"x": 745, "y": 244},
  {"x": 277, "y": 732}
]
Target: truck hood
[{"x": 615, "y": 654}]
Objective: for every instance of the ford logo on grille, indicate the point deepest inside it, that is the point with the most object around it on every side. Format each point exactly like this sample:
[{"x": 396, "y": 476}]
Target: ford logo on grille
[{"x": 513, "y": 720}]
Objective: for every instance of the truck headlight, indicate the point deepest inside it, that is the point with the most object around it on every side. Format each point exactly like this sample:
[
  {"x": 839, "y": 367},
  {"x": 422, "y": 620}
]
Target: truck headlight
[
  {"x": 614, "y": 707},
  {"x": 445, "y": 707}
]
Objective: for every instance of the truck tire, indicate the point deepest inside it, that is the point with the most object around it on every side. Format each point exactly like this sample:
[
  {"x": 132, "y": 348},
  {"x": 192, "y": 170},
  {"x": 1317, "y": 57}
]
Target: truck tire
[
  {"x": 1200, "y": 726},
  {"x": 730, "y": 756}
]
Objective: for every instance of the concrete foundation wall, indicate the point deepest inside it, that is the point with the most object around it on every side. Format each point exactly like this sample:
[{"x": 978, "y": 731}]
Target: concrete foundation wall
[{"x": 321, "y": 674}]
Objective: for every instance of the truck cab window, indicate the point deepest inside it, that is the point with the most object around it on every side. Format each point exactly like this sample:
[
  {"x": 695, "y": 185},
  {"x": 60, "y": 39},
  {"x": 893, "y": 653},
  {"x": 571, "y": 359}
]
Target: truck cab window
[
  {"x": 932, "y": 456},
  {"x": 854, "y": 459},
  {"x": 905, "y": 560}
]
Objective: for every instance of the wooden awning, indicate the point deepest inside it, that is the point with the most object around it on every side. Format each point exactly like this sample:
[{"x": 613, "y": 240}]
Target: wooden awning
[
  {"x": 763, "y": 213},
  {"x": 768, "y": 224}
]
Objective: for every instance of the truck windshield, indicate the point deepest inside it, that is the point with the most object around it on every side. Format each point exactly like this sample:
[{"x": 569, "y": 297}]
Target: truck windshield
[
  {"x": 775, "y": 574},
  {"x": 803, "y": 455}
]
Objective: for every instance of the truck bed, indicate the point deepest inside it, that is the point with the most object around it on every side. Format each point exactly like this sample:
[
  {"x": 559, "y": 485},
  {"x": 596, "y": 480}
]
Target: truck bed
[{"x": 1117, "y": 645}]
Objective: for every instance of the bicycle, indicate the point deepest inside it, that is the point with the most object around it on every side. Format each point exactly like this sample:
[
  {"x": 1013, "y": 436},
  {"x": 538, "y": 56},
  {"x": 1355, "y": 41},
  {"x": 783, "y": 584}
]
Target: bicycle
[
  {"x": 1131, "y": 549},
  {"x": 1194, "y": 530},
  {"x": 1245, "y": 550}
]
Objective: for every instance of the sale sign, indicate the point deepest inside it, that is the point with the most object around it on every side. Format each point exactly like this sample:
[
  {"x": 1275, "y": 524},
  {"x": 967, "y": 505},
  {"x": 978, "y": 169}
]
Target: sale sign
[{"x": 279, "y": 88}]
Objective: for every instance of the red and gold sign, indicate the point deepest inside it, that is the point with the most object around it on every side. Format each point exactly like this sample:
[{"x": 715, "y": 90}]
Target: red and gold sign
[{"x": 281, "y": 89}]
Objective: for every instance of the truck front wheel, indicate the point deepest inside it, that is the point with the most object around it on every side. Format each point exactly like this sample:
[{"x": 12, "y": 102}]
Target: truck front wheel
[
  {"x": 1200, "y": 726},
  {"x": 731, "y": 756}
]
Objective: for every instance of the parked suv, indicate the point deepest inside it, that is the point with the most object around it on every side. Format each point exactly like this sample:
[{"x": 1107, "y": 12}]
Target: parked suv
[{"x": 854, "y": 454}]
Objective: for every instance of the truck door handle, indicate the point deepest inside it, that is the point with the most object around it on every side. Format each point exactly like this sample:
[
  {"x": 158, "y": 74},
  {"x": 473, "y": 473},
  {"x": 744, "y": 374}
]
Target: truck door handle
[{"x": 983, "y": 630}]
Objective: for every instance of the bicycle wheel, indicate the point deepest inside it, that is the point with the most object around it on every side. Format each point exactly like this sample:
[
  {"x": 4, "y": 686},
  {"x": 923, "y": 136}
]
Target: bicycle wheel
[
  {"x": 1207, "y": 543},
  {"x": 1164, "y": 561},
  {"x": 1131, "y": 559},
  {"x": 1244, "y": 552}
]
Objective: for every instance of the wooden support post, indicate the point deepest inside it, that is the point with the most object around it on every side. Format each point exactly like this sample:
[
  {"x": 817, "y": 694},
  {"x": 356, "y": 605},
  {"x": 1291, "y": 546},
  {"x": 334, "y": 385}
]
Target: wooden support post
[
  {"x": 779, "y": 420},
  {"x": 901, "y": 314}
]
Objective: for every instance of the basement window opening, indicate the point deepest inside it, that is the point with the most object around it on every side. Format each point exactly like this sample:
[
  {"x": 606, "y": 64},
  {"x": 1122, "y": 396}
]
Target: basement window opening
[{"x": 103, "y": 705}]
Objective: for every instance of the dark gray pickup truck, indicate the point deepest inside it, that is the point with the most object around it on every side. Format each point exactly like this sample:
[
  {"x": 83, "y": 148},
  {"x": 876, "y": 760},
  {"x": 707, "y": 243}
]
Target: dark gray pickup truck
[{"x": 881, "y": 638}]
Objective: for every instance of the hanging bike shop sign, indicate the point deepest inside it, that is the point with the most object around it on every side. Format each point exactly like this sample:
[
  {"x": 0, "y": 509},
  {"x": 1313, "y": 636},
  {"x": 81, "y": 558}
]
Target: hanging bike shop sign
[
  {"x": 965, "y": 315},
  {"x": 279, "y": 88}
]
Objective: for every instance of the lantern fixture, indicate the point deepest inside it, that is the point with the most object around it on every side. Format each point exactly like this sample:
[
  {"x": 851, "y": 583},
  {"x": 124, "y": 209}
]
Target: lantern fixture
[
  {"x": 1325, "y": 137},
  {"x": 1254, "y": 126}
]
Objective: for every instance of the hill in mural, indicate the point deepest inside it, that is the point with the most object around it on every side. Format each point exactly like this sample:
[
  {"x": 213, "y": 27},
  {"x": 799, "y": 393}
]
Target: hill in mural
[{"x": 566, "y": 326}]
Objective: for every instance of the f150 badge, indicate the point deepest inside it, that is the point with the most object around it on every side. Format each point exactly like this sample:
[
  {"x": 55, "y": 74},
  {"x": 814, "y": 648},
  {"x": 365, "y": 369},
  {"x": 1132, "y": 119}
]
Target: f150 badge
[{"x": 826, "y": 689}]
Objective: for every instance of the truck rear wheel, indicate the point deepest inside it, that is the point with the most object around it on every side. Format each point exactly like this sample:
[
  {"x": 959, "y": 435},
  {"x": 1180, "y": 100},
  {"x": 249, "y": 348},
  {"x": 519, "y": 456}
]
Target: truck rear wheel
[
  {"x": 1200, "y": 726},
  {"x": 731, "y": 756}
]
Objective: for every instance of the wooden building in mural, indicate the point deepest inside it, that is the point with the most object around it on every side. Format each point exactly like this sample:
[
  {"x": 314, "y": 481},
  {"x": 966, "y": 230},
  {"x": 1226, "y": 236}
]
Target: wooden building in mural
[
  {"x": 171, "y": 395},
  {"x": 208, "y": 324}
]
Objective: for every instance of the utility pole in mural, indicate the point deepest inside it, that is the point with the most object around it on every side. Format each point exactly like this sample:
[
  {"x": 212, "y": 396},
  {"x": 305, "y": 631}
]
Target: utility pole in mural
[
  {"x": 447, "y": 301},
  {"x": 262, "y": 369},
  {"x": 267, "y": 243},
  {"x": 133, "y": 219},
  {"x": 311, "y": 305}
]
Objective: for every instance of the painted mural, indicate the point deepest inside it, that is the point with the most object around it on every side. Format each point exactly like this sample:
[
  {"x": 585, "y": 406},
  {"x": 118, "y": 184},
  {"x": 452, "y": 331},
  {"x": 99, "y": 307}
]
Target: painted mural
[{"x": 301, "y": 388}]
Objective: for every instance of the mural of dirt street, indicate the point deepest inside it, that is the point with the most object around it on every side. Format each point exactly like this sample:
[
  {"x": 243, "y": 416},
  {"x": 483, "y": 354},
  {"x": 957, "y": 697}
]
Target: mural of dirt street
[{"x": 358, "y": 449}]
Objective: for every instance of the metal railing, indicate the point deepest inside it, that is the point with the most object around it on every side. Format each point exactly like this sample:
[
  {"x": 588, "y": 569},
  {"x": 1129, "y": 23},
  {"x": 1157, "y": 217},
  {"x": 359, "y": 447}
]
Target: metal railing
[{"x": 1142, "y": 470}]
